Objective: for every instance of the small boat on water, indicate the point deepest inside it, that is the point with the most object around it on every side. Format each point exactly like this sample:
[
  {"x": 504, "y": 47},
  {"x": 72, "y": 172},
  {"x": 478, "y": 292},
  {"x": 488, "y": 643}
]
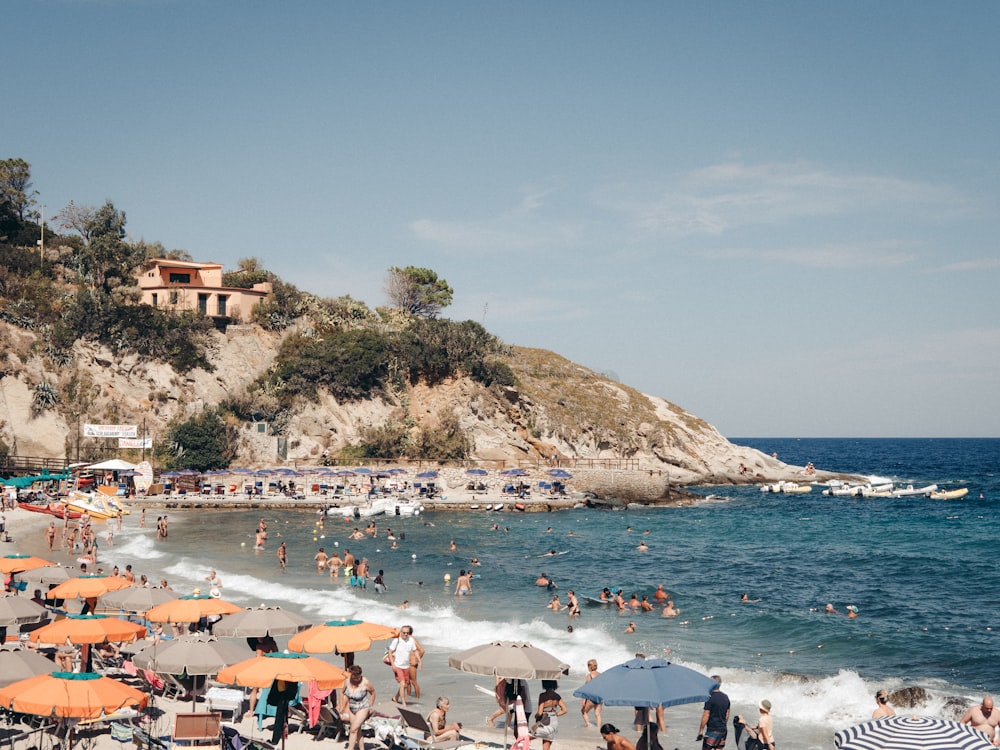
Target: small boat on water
[
  {"x": 950, "y": 494},
  {"x": 861, "y": 490},
  {"x": 911, "y": 491},
  {"x": 787, "y": 488},
  {"x": 406, "y": 506}
]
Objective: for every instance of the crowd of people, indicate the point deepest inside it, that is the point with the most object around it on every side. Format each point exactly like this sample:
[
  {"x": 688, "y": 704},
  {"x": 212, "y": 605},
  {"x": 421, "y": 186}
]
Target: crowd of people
[{"x": 405, "y": 655}]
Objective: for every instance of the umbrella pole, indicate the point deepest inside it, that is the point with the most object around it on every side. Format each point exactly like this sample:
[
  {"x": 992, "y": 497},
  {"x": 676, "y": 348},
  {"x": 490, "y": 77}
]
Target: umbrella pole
[{"x": 506, "y": 718}]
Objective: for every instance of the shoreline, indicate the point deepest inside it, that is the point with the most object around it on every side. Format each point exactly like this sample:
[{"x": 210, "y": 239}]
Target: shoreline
[{"x": 469, "y": 707}]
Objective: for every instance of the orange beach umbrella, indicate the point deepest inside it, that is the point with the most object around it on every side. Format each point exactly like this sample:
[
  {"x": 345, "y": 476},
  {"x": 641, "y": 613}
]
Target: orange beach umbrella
[
  {"x": 340, "y": 636},
  {"x": 86, "y": 587},
  {"x": 20, "y": 563},
  {"x": 88, "y": 629},
  {"x": 191, "y": 609},
  {"x": 261, "y": 671},
  {"x": 82, "y": 695}
]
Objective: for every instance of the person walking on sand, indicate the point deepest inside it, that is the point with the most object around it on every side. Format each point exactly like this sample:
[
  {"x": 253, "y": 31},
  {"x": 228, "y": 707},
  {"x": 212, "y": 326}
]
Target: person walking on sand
[
  {"x": 714, "y": 718},
  {"x": 883, "y": 708},
  {"x": 50, "y": 534},
  {"x": 400, "y": 649},
  {"x": 587, "y": 705},
  {"x": 983, "y": 718},
  {"x": 356, "y": 701},
  {"x": 282, "y": 555},
  {"x": 550, "y": 707},
  {"x": 416, "y": 660}
]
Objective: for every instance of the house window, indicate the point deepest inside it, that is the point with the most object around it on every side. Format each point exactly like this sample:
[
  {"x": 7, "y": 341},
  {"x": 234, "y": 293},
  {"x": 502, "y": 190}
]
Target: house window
[
  {"x": 155, "y": 300},
  {"x": 174, "y": 297},
  {"x": 203, "y": 304},
  {"x": 223, "y": 299},
  {"x": 180, "y": 278}
]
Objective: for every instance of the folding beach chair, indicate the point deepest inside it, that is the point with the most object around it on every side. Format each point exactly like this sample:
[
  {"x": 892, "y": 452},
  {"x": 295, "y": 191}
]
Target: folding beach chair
[
  {"x": 232, "y": 739},
  {"x": 425, "y": 740}
]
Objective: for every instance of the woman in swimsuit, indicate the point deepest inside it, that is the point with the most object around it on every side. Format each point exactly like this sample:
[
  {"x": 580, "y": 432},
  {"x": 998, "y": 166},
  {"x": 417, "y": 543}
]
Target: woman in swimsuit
[
  {"x": 588, "y": 705},
  {"x": 550, "y": 705},
  {"x": 356, "y": 701},
  {"x": 438, "y": 722}
]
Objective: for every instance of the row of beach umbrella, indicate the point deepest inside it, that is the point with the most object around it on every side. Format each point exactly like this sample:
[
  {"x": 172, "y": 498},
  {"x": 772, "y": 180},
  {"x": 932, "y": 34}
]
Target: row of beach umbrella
[
  {"x": 33, "y": 687},
  {"x": 357, "y": 471}
]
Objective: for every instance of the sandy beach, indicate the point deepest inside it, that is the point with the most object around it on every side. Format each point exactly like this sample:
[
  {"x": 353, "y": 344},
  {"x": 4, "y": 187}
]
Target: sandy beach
[{"x": 469, "y": 706}]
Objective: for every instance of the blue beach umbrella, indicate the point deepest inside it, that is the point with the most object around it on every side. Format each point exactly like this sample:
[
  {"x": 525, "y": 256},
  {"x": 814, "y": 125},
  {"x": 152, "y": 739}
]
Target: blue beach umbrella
[
  {"x": 648, "y": 683},
  {"x": 514, "y": 472},
  {"x": 559, "y": 474},
  {"x": 362, "y": 470},
  {"x": 427, "y": 475},
  {"x": 477, "y": 472}
]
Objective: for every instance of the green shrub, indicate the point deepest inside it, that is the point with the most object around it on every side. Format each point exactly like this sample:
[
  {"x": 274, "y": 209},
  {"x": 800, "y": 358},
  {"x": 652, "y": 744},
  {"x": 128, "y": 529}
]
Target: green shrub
[{"x": 203, "y": 442}]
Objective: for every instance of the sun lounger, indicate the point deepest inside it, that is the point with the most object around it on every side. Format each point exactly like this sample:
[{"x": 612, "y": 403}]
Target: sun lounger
[
  {"x": 233, "y": 739},
  {"x": 226, "y": 699},
  {"x": 425, "y": 739}
]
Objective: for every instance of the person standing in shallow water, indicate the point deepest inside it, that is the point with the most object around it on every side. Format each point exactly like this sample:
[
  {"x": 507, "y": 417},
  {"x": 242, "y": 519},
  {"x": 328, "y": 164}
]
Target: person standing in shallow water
[{"x": 282, "y": 555}]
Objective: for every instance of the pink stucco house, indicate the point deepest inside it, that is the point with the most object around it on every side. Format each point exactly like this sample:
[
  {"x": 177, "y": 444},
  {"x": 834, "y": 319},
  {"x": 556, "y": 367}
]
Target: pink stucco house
[{"x": 189, "y": 285}]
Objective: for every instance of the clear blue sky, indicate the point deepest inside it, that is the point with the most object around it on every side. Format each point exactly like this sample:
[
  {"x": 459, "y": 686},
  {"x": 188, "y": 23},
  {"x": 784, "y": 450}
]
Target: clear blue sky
[{"x": 782, "y": 216}]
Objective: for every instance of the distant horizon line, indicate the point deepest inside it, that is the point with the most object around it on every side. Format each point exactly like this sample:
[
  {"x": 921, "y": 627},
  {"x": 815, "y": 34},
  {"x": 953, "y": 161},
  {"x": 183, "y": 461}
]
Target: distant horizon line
[{"x": 886, "y": 437}]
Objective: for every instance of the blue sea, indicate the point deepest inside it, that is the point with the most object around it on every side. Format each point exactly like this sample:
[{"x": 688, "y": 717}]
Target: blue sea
[{"x": 921, "y": 572}]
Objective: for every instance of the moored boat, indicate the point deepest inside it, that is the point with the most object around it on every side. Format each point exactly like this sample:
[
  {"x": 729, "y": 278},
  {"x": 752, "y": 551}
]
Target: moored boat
[
  {"x": 911, "y": 491},
  {"x": 787, "y": 488},
  {"x": 950, "y": 494}
]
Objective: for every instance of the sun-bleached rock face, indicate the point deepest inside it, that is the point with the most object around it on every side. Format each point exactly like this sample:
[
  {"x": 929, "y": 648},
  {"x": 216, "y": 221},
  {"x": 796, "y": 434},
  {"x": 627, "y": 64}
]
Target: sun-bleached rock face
[{"x": 557, "y": 410}]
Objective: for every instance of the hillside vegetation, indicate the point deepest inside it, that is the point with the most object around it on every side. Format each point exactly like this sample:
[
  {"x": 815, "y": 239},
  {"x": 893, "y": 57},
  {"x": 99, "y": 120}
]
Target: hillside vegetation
[{"x": 306, "y": 379}]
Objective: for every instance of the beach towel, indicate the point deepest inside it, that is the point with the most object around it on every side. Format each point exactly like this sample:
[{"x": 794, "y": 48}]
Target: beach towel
[
  {"x": 154, "y": 680},
  {"x": 314, "y": 702}
]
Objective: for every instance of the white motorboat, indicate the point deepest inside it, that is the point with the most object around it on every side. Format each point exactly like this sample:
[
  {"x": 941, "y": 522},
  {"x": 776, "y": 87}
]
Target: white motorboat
[
  {"x": 787, "y": 488},
  {"x": 911, "y": 491},
  {"x": 404, "y": 506}
]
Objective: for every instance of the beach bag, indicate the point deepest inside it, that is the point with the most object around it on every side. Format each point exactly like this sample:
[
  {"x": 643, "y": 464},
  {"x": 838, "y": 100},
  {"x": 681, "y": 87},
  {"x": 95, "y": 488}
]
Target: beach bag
[{"x": 387, "y": 659}]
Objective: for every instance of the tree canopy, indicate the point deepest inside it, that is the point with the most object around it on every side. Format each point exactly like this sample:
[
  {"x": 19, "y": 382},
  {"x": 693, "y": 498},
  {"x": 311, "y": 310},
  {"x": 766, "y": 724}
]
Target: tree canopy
[
  {"x": 16, "y": 195},
  {"x": 419, "y": 291}
]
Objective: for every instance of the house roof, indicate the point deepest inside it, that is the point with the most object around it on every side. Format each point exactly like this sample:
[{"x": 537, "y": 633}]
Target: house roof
[{"x": 192, "y": 264}]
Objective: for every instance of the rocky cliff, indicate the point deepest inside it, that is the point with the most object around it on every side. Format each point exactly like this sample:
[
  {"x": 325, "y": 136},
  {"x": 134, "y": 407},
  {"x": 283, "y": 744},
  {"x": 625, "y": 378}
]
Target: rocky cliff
[{"x": 556, "y": 409}]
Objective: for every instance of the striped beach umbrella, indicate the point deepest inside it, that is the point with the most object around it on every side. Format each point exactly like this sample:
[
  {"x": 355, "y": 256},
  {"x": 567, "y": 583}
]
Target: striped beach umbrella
[{"x": 911, "y": 733}]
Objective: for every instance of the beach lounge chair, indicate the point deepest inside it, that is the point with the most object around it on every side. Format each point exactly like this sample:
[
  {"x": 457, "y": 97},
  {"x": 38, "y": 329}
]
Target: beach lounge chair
[
  {"x": 424, "y": 737},
  {"x": 233, "y": 739},
  {"x": 144, "y": 738}
]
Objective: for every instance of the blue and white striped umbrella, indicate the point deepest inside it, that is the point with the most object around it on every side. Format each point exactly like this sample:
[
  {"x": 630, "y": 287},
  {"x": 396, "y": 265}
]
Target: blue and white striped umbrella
[{"x": 911, "y": 733}]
